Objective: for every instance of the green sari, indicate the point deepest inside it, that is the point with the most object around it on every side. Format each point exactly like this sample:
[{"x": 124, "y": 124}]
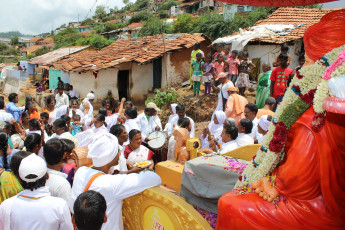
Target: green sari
[
  {"x": 9, "y": 185},
  {"x": 263, "y": 89}
]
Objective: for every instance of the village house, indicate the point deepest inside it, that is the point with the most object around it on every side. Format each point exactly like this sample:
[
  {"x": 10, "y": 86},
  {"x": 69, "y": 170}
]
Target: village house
[
  {"x": 285, "y": 26},
  {"x": 130, "y": 31},
  {"x": 37, "y": 64},
  {"x": 84, "y": 28},
  {"x": 133, "y": 67}
]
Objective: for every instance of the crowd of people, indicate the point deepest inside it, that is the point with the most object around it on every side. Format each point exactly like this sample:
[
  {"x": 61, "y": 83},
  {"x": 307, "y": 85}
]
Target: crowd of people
[{"x": 40, "y": 182}]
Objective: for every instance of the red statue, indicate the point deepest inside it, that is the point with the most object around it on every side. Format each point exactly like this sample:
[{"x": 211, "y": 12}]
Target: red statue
[{"x": 310, "y": 180}]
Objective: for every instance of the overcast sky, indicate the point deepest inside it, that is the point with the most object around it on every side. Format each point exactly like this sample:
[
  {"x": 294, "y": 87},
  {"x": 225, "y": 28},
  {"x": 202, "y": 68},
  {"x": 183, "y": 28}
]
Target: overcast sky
[{"x": 40, "y": 16}]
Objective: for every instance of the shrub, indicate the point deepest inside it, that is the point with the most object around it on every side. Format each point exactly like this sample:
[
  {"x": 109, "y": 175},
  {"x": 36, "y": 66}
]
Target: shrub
[
  {"x": 163, "y": 97},
  {"x": 154, "y": 26}
]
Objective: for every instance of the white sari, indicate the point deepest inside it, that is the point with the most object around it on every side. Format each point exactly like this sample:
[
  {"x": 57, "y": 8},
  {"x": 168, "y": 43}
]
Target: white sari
[{"x": 215, "y": 129}]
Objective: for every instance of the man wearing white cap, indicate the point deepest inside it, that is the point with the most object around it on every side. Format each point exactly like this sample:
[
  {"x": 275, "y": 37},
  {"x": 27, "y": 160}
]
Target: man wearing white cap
[
  {"x": 34, "y": 208},
  {"x": 148, "y": 121},
  {"x": 104, "y": 152},
  {"x": 263, "y": 124}
]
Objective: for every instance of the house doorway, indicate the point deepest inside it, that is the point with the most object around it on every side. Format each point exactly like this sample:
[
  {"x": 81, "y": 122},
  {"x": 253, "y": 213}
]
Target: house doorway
[
  {"x": 123, "y": 83},
  {"x": 157, "y": 73}
]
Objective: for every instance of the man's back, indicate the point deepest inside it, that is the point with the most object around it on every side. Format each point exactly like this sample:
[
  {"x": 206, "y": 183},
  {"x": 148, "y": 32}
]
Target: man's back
[
  {"x": 114, "y": 188},
  {"x": 35, "y": 210}
]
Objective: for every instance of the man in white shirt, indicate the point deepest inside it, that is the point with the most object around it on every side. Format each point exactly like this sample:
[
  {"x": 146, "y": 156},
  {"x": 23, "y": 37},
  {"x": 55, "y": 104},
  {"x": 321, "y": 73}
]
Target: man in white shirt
[
  {"x": 181, "y": 112},
  {"x": 4, "y": 116},
  {"x": 104, "y": 152},
  {"x": 229, "y": 135},
  {"x": 61, "y": 98},
  {"x": 245, "y": 127},
  {"x": 148, "y": 121},
  {"x": 222, "y": 90},
  {"x": 73, "y": 93},
  {"x": 54, "y": 153},
  {"x": 34, "y": 208},
  {"x": 250, "y": 112}
]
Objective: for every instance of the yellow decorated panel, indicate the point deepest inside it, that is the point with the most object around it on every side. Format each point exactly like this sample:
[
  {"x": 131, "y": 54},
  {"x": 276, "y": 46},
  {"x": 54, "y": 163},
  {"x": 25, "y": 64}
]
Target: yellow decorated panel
[{"x": 158, "y": 209}]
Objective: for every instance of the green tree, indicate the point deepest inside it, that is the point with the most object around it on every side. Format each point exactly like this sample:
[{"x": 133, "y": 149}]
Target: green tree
[
  {"x": 95, "y": 40},
  {"x": 125, "y": 2},
  {"x": 168, "y": 5},
  {"x": 214, "y": 26},
  {"x": 185, "y": 23},
  {"x": 100, "y": 11},
  {"x": 154, "y": 26},
  {"x": 14, "y": 40},
  {"x": 141, "y": 17},
  {"x": 114, "y": 26},
  {"x": 42, "y": 50},
  {"x": 87, "y": 22},
  {"x": 67, "y": 37}
]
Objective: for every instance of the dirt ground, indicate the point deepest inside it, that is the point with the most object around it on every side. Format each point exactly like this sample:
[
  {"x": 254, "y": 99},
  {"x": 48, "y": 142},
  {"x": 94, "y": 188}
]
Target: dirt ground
[{"x": 200, "y": 108}]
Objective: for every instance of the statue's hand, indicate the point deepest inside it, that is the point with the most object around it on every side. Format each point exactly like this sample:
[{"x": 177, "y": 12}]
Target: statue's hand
[{"x": 265, "y": 189}]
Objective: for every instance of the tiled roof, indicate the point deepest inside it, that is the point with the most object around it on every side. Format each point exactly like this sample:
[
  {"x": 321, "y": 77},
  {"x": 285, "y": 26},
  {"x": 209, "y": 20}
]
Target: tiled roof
[
  {"x": 3, "y": 65},
  {"x": 134, "y": 25},
  {"x": 32, "y": 48},
  {"x": 111, "y": 21},
  {"x": 48, "y": 40},
  {"x": 87, "y": 26},
  {"x": 140, "y": 50},
  {"x": 56, "y": 54},
  {"x": 34, "y": 40},
  {"x": 85, "y": 33},
  {"x": 296, "y": 16},
  {"x": 188, "y": 3}
]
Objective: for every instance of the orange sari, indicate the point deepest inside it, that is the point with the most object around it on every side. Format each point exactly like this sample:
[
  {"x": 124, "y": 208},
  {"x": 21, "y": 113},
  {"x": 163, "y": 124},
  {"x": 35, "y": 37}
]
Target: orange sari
[{"x": 311, "y": 178}]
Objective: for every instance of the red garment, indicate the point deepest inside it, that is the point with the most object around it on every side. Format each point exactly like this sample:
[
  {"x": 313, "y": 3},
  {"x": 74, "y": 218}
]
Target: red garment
[
  {"x": 128, "y": 150},
  {"x": 311, "y": 177},
  {"x": 34, "y": 114},
  {"x": 219, "y": 67},
  {"x": 280, "y": 77}
]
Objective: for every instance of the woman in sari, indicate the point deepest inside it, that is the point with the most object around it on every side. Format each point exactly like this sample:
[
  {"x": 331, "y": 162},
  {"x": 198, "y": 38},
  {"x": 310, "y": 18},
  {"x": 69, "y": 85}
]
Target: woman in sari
[
  {"x": 263, "y": 87},
  {"x": 215, "y": 128},
  {"x": 9, "y": 184},
  {"x": 135, "y": 152},
  {"x": 50, "y": 109}
]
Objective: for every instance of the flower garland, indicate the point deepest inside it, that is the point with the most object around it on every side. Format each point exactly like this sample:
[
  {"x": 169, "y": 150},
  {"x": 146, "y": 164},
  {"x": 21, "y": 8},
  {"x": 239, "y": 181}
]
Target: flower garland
[
  {"x": 337, "y": 69},
  {"x": 298, "y": 98},
  {"x": 306, "y": 89}
]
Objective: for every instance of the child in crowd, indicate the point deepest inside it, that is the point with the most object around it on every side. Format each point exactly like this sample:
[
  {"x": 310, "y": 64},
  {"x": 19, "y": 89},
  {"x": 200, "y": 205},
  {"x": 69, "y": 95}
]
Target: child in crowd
[
  {"x": 44, "y": 117},
  {"x": 227, "y": 54},
  {"x": 244, "y": 68},
  {"x": 219, "y": 51},
  {"x": 208, "y": 72},
  {"x": 233, "y": 63},
  {"x": 106, "y": 105},
  {"x": 49, "y": 129},
  {"x": 25, "y": 119},
  {"x": 279, "y": 78},
  {"x": 77, "y": 126},
  {"x": 301, "y": 61},
  {"x": 220, "y": 65},
  {"x": 197, "y": 67}
]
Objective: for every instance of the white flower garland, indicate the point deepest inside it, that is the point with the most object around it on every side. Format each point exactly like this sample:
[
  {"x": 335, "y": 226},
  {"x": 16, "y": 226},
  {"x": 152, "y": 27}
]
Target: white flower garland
[{"x": 267, "y": 161}]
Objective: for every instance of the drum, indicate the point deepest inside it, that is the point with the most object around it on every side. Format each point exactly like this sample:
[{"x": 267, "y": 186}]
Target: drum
[
  {"x": 79, "y": 155},
  {"x": 157, "y": 140}
]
